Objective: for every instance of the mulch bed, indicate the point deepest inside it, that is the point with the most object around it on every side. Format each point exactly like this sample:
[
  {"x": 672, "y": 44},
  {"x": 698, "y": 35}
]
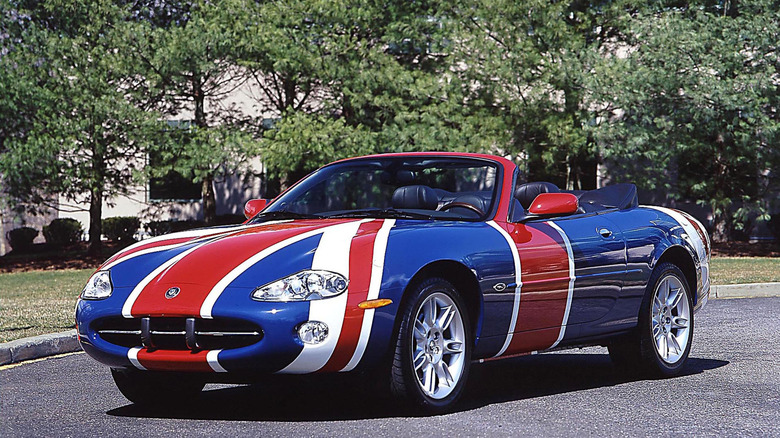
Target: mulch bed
[
  {"x": 44, "y": 258},
  {"x": 746, "y": 249}
]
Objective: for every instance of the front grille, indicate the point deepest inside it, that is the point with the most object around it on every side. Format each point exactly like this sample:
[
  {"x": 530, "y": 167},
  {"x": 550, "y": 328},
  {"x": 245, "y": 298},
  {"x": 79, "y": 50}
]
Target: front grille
[{"x": 178, "y": 333}]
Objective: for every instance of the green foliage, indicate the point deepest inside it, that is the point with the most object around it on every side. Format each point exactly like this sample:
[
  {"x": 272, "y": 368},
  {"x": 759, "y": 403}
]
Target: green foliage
[
  {"x": 121, "y": 228},
  {"x": 679, "y": 97},
  {"x": 21, "y": 239},
  {"x": 188, "y": 64},
  {"x": 698, "y": 97},
  {"x": 349, "y": 78},
  {"x": 83, "y": 129},
  {"x": 63, "y": 232}
]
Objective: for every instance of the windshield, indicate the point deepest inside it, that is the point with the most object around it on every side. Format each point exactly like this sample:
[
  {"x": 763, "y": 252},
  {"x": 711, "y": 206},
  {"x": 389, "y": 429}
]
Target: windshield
[{"x": 405, "y": 187}]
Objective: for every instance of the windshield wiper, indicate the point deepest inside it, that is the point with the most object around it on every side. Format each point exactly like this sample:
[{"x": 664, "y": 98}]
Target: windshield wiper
[
  {"x": 383, "y": 213},
  {"x": 281, "y": 214}
]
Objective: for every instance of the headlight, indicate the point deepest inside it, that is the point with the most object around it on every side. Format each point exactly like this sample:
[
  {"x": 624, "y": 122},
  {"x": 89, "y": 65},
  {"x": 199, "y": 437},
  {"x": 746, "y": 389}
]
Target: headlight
[
  {"x": 98, "y": 287},
  {"x": 303, "y": 286}
]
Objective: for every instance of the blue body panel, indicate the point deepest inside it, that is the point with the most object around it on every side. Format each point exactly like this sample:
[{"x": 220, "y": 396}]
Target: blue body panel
[{"x": 413, "y": 245}]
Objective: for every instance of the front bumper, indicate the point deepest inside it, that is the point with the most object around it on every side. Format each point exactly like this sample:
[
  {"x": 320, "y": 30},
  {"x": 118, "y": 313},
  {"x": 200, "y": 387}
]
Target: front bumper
[{"x": 189, "y": 343}]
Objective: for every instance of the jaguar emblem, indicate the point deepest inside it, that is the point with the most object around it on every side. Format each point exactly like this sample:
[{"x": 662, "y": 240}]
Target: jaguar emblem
[
  {"x": 172, "y": 292},
  {"x": 499, "y": 287}
]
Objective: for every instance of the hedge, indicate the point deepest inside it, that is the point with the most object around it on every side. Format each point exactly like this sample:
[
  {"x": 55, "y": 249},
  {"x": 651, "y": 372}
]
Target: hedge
[
  {"x": 21, "y": 239},
  {"x": 63, "y": 232},
  {"x": 121, "y": 228}
]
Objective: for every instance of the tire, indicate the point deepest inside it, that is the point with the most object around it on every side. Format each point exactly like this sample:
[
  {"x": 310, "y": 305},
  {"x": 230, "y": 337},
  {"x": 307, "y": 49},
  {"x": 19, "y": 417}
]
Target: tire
[
  {"x": 433, "y": 347},
  {"x": 149, "y": 388},
  {"x": 662, "y": 341}
]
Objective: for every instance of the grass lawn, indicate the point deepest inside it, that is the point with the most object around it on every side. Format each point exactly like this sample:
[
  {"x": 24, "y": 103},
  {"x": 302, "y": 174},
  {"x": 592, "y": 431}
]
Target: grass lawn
[
  {"x": 736, "y": 270},
  {"x": 37, "y": 302}
]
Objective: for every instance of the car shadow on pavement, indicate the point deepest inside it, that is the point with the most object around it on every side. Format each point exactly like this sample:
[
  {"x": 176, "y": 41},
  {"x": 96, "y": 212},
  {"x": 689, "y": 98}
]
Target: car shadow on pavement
[{"x": 337, "y": 399}]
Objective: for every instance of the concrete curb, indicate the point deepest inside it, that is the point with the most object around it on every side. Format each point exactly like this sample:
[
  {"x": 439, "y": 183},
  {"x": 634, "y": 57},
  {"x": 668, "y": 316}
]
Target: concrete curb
[
  {"x": 38, "y": 346},
  {"x": 66, "y": 342},
  {"x": 748, "y": 290}
]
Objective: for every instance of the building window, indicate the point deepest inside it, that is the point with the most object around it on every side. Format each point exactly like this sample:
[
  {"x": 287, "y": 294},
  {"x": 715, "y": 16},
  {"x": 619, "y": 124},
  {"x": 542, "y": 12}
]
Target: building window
[{"x": 173, "y": 186}]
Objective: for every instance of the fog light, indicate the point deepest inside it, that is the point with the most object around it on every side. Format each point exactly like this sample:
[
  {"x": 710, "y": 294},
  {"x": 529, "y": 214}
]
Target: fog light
[{"x": 313, "y": 332}]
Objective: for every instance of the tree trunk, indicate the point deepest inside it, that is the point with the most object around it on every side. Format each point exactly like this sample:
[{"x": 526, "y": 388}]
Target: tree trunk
[
  {"x": 207, "y": 185},
  {"x": 96, "y": 197},
  {"x": 95, "y": 222},
  {"x": 721, "y": 226},
  {"x": 209, "y": 201}
]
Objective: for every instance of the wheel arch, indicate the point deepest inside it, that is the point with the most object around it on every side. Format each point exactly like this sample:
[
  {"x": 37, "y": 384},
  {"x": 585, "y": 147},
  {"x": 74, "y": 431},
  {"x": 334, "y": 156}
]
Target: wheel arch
[
  {"x": 464, "y": 280},
  {"x": 682, "y": 258}
]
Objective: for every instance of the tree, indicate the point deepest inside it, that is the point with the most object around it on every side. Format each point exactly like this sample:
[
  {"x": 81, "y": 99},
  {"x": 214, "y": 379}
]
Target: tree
[
  {"x": 533, "y": 63},
  {"x": 349, "y": 78},
  {"x": 188, "y": 62},
  {"x": 699, "y": 95},
  {"x": 78, "y": 133}
]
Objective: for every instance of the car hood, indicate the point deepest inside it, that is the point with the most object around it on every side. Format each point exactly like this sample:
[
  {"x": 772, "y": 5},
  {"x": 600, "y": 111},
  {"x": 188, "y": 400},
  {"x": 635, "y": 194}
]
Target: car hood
[
  {"x": 184, "y": 274},
  {"x": 198, "y": 256}
]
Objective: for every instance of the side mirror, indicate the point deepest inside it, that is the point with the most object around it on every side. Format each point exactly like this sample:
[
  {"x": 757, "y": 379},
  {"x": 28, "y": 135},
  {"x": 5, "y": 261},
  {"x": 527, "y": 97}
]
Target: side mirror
[
  {"x": 254, "y": 206},
  {"x": 549, "y": 204}
]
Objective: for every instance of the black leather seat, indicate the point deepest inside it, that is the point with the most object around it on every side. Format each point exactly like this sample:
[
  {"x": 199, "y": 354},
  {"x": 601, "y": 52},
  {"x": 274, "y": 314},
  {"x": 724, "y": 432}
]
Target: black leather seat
[
  {"x": 526, "y": 193},
  {"x": 419, "y": 197}
]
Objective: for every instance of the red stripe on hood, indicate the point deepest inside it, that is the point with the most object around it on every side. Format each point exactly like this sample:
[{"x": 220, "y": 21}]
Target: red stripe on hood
[
  {"x": 197, "y": 273},
  {"x": 157, "y": 243}
]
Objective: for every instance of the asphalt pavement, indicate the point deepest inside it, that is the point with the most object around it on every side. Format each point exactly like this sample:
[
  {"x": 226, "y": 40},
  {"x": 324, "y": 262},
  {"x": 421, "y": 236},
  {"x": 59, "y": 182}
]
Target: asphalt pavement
[{"x": 731, "y": 386}]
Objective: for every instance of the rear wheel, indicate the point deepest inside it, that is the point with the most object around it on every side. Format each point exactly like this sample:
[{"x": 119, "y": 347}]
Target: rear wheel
[
  {"x": 433, "y": 348},
  {"x": 153, "y": 388},
  {"x": 661, "y": 343}
]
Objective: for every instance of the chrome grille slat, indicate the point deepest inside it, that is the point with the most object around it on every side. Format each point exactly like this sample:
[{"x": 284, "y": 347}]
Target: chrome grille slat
[
  {"x": 227, "y": 333},
  {"x": 178, "y": 333},
  {"x": 119, "y": 332}
]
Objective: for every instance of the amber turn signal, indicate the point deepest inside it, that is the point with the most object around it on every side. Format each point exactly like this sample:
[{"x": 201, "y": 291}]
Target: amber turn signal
[{"x": 373, "y": 304}]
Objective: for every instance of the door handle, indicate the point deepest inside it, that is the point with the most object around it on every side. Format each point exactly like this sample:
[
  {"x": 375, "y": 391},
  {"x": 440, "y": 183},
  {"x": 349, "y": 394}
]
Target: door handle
[{"x": 605, "y": 232}]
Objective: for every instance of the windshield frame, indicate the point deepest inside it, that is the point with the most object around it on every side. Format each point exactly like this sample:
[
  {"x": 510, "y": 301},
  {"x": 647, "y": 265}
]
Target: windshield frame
[{"x": 496, "y": 190}]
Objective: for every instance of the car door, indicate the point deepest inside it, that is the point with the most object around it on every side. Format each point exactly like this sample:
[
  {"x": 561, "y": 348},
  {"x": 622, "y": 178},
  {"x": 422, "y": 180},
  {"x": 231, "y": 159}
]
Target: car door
[{"x": 571, "y": 272}]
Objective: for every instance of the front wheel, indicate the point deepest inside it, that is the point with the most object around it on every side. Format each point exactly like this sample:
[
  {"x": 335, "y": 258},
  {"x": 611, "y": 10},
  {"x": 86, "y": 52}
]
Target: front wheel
[
  {"x": 662, "y": 341},
  {"x": 151, "y": 388},
  {"x": 433, "y": 348}
]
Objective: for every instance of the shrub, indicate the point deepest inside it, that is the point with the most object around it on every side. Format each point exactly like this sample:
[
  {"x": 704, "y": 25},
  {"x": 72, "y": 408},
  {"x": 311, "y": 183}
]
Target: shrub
[
  {"x": 158, "y": 228},
  {"x": 120, "y": 228},
  {"x": 21, "y": 239},
  {"x": 63, "y": 232}
]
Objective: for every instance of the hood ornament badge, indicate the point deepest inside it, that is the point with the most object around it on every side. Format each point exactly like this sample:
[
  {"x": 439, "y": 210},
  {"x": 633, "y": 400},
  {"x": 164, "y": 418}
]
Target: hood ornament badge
[{"x": 172, "y": 292}]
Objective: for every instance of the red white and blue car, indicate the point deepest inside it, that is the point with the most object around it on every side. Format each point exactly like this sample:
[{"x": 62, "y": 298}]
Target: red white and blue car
[{"x": 407, "y": 266}]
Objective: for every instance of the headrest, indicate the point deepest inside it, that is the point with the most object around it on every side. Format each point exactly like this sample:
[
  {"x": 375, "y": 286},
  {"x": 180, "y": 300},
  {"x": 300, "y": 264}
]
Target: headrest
[
  {"x": 420, "y": 197},
  {"x": 526, "y": 193},
  {"x": 404, "y": 176}
]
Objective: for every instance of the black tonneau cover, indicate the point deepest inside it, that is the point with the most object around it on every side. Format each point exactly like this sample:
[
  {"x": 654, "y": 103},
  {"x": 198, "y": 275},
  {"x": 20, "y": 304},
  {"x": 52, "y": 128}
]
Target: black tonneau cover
[{"x": 620, "y": 196}]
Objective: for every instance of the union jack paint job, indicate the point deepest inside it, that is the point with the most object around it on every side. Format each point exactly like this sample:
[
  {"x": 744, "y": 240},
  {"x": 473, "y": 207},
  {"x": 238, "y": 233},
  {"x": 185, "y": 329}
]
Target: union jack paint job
[{"x": 536, "y": 284}]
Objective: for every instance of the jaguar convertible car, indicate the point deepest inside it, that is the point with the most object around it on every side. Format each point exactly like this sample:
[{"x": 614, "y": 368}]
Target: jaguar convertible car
[{"x": 408, "y": 267}]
